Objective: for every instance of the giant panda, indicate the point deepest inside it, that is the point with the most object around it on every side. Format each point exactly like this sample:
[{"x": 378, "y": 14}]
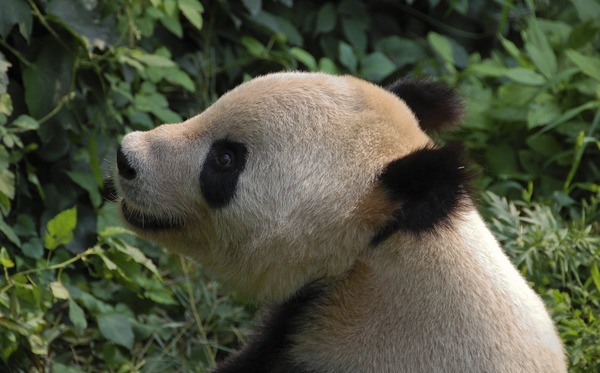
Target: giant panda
[{"x": 324, "y": 199}]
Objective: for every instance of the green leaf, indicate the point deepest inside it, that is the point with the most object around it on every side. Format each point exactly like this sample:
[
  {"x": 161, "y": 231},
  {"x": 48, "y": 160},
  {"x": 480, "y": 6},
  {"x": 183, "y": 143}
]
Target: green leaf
[
  {"x": 91, "y": 303},
  {"x": 179, "y": 77},
  {"x": 487, "y": 68},
  {"x": 253, "y": 6},
  {"x": 510, "y": 47},
  {"x": 303, "y": 56},
  {"x": 170, "y": 7},
  {"x": 581, "y": 34},
  {"x": 152, "y": 59},
  {"x": 539, "y": 50},
  {"x": 595, "y": 275},
  {"x": 347, "y": 56},
  {"x": 326, "y": 19},
  {"x": 282, "y": 27},
  {"x": 59, "y": 229},
  {"x": 160, "y": 295},
  {"x": 5, "y": 258},
  {"x": 4, "y": 206},
  {"x": 541, "y": 114},
  {"x": 33, "y": 248},
  {"x": 24, "y": 226},
  {"x": 7, "y": 181},
  {"x": 25, "y": 123},
  {"x": 442, "y": 46},
  {"x": 166, "y": 115},
  {"x": 8, "y": 342},
  {"x": 59, "y": 291},
  {"x": 155, "y": 290},
  {"x": 588, "y": 65},
  {"x": 32, "y": 177},
  {"x": 172, "y": 24},
  {"x": 354, "y": 8},
  {"x": 568, "y": 115},
  {"x": 502, "y": 160},
  {"x": 354, "y": 31},
  {"x": 192, "y": 10},
  {"x": 255, "y": 47},
  {"x": 110, "y": 265},
  {"x": 81, "y": 22},
  {"x": 327, "y": 65},
  {"x": 38, "y": 345},
  {"x": 77, "y": 316},
  {"x": 48, "y": 79},
  {"x": 545, "y": 145},
  {"x": 588, "y": 10},
  {"x": 116, "y": 328},
  {"x": 6, "y": 105},
  {"x": 401, "y": 51},
  {"x": 590, "y": 187},
  {"x": 149, "y": 101},
  {"x": 15, "y": 12},
  {"x": 376, "y": 66},
  {"x": 113, "y": 231},
  {"x": 525, "y": 76},
  {"x": 87, "y": 180},
  {"x": 461, "y": 6},
  {"x": 8, "y": 232},
  {"x": 62, "y": 368},
  {"x": 138, "y": 256},
  {"x": 288, "y": 29}
]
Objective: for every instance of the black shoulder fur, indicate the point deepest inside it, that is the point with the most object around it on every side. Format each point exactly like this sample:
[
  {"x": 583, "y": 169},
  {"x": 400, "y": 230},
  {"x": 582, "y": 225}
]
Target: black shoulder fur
[
  {"x": 432, "y": 185},
  {"x": 267, "y": 349}
]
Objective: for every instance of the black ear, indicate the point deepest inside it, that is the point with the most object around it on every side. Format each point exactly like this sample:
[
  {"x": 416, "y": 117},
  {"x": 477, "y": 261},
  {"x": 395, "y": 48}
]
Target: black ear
[
  {"x": 431, "y": 185},
  {"x": 434, "y": 104}
]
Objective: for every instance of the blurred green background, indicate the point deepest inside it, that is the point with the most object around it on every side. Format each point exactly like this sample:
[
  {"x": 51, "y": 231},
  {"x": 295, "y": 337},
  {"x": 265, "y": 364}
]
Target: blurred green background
[{"x": 81, "y": 294}]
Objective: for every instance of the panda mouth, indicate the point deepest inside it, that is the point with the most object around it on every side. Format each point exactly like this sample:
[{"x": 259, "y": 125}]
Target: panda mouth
[{"x": 149, "y": 222}]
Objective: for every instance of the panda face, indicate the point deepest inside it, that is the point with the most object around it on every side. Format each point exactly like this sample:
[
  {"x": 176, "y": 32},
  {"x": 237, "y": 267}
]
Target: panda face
[{"x": 274, "y": 185}]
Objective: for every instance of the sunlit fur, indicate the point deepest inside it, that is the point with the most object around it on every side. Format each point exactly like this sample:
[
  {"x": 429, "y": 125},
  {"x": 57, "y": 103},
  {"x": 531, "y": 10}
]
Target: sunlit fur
[{"x": 306, "y": 208}]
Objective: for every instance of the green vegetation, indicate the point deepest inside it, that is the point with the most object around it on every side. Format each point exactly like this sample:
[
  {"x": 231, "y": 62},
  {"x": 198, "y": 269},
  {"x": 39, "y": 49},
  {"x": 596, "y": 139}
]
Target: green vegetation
[{"x": 80, "y": 294}]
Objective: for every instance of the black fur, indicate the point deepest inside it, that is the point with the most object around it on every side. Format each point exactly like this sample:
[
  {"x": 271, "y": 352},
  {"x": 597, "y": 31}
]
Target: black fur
[
  {"x": 266, "y": 351},
  {"x": 434, "y": 104},
  {"x": 218, "y": 183},
  {"x": 432, "y": 185},
  {"x": 109, "y": 190}
]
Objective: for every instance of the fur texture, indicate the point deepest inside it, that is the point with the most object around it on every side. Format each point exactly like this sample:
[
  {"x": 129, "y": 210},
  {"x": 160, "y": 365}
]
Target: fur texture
[
  {"x": 431, "y": 186},
  {"x": 269, "y": 348},
  {"x": 341, "y": 187},
  {"x": 435, "y": 105}
]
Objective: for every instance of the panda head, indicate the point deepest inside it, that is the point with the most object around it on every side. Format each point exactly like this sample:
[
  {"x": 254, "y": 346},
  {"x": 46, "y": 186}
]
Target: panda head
[{"x": 290, "y": 177}]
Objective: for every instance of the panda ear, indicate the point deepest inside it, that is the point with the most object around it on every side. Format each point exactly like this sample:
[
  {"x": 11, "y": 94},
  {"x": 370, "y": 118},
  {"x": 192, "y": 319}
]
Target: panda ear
[
  {"x": 430, "y": 186},
  {"x": 435, "y": 104}
]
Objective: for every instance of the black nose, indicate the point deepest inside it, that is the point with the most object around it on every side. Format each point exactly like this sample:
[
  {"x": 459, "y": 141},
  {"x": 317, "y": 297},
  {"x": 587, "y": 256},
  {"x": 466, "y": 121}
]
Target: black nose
[{"x": 125, "y": 168}]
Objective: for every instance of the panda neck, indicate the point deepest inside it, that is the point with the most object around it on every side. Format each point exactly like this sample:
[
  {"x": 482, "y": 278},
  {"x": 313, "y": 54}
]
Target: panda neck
[
  {"x": 458, "y": 260},
  {"x": 448, "y": 240}
]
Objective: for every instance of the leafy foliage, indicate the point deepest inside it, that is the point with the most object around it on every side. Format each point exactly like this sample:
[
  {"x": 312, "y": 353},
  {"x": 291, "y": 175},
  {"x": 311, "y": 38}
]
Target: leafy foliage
[
  {"x": 81, "y": 294},
  {"x": 554, "y": 253}
]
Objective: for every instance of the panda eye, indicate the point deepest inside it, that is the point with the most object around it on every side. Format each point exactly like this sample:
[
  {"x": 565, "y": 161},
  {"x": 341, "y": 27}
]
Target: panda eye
[
  {"x": 225, "y": 159},
  {"x": 221, "y": 170}
]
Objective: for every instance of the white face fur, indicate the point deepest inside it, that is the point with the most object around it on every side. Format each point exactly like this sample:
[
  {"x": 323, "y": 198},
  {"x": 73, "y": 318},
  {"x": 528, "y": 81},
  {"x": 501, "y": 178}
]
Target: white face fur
[{"x": 274, "y": 185}]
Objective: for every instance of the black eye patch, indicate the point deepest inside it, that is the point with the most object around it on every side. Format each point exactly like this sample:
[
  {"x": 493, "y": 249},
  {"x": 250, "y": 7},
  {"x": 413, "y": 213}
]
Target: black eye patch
[{"x": 221, "y": 170}]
